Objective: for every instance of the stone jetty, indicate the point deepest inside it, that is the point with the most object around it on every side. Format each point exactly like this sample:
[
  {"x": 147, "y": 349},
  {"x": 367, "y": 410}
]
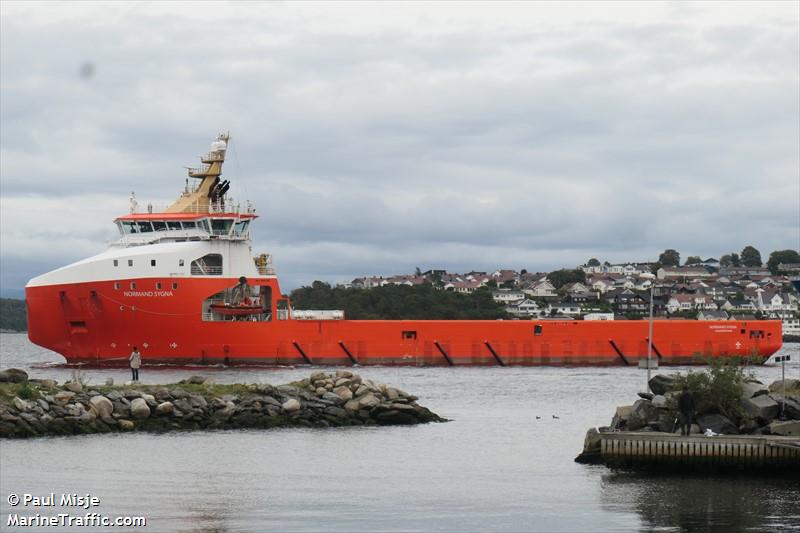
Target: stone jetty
[
  {"x": 40, "y": 407},
  {"x": 738, "y": 424}
]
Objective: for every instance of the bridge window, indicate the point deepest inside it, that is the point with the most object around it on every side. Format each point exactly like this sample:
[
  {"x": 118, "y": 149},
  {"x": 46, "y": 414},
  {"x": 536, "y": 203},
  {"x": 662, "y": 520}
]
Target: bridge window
[
  {"x": 537, "y": 329},
  {"x": 189, "y": 225},
  {"x": 159, "y": 225},
  {"x": 208, "y": 265},
  {"x": 174, "y": 225},
  {"x": 128, "y": 228},
  {"x": 144, "y": 226},
  {"x": 221, "y": 226},
  {"x": 240, "y": 227}
]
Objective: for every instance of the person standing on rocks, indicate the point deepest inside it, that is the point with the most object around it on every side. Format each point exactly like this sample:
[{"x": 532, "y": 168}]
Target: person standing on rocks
[
  {"x": 136, "y": 361},
  {"x": 686, "y": 411}
]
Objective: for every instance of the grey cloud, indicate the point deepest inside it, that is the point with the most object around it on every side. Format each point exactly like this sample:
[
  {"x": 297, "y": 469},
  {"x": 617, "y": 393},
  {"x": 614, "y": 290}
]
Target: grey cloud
[{"x": 384, "y": 149}]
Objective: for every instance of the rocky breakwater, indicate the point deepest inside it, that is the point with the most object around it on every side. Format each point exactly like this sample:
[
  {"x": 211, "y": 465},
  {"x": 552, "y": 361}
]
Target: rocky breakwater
[
  {"x": 727, "y": 402},
  {"x": 31, "y": 408}
]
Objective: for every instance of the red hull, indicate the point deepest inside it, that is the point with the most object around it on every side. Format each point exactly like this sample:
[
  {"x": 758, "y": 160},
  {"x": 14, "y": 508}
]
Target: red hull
[{"x": 96, "y": 323}]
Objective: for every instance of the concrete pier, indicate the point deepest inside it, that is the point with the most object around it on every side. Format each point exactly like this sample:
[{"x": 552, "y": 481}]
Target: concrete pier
[{"x": 724, "y": 452}]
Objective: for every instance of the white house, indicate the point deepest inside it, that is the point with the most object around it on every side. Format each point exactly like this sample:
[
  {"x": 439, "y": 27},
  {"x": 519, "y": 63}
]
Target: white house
[
  {"x": 508, "y": 296},
  {"x": 543, "y": 289},
  {"x": 526, "y": 308}
]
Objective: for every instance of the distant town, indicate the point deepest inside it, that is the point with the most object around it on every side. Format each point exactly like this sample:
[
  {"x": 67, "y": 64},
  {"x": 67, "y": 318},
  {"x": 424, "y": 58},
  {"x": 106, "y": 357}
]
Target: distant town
[{"x": 736, "y": 286}]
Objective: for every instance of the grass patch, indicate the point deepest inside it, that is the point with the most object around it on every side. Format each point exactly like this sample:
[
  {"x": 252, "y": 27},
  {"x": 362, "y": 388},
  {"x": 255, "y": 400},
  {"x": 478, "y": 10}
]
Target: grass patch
[
  {"x": 192, "y": 388},
  {"x": 26, "y": 391}
]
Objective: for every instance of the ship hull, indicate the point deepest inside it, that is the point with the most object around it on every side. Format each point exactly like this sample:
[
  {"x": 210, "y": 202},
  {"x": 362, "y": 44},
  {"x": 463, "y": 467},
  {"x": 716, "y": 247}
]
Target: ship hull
[{"x": 96, "y": 323}]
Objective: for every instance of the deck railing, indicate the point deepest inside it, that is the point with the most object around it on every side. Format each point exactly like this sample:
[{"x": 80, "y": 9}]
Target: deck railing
[{"x": 198, "y": 270}]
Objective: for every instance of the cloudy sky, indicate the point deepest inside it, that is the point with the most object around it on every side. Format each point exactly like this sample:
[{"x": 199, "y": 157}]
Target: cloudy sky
[{"x": 375, "y": 138}]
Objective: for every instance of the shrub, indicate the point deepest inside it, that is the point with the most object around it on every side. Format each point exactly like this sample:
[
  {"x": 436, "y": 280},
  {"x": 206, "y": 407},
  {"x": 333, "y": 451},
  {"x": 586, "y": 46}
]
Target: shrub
[
  {"x": 26, "y": 391},
  {"x": 718, "y": 389}
]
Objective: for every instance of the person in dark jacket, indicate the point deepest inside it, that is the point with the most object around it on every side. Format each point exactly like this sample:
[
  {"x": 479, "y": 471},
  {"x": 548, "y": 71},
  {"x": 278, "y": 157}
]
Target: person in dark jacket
[{"x": 686, "y": 411}]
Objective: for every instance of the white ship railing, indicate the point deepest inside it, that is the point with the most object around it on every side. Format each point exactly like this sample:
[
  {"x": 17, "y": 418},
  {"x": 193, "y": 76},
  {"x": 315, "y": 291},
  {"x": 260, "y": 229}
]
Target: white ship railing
[{"x": 197, "y": 270}]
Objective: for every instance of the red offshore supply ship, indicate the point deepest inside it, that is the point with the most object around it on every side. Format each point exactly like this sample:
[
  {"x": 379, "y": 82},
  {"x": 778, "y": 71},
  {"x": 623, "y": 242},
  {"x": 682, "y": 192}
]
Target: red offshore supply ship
[{"x": 183, "y": 286}]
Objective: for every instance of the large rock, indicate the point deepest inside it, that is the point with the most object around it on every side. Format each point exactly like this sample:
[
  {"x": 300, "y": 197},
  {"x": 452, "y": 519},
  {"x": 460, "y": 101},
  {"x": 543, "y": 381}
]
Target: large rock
[
  {"x": 751, "y": 389},
  {"x": 165, "y": 408},
  {"x": 334, "y": 398},
  {"x": 75, "y": 409},
  {"x": 641, "y": 415},
  {"x": 352, "y": 405},
  {"x": 139, "y": 408},
  {"x": 621, "y": 416},
  {"x": 789, "y": 404},
  {"x": 778, "y": 386},
  {"x": 790, "y": 428},
  {"x": 13, "y": 375},
  {"x": 591, "y": 443},
  {"x": 368, "y": 401},
  {"x": 659, "y": 401},
  {"x": 291, "y": 405},
  {"x": 343, "y": 382},
  {"x": 344, "y": 393},
  {"x": 101, "y": 406},
  {"x": 718, "y": 424},
  {"x": 661, "y": 383},
  {"x": 73, "y": 386},
  {"x": 21, "y": 405},
  {"x": 64, "y": 397},
  {"x": 318, "y": 376},
  {"x": 762, "y": 407}
]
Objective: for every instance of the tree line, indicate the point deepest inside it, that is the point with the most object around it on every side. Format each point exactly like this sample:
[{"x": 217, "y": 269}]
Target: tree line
[
  {"x": 396, "y": 302},
  {"x": 748, "y": 257}
]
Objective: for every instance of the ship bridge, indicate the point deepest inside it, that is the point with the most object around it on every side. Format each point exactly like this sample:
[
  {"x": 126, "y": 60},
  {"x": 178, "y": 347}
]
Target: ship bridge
[
  {"x": 148, "y": 228},
  {"x": 202, "y": 212}
]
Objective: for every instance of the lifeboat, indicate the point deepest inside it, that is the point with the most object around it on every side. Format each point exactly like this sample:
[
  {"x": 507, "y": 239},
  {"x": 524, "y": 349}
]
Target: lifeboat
[{"x": 243, "y": 309}]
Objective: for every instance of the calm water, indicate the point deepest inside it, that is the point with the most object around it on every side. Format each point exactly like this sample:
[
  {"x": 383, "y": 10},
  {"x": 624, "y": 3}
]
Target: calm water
[{"x": 495, "y": 467}]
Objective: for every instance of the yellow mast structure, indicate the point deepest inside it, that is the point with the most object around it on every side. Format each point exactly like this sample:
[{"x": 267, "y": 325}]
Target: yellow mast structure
[{"x": 200, "y": 200}]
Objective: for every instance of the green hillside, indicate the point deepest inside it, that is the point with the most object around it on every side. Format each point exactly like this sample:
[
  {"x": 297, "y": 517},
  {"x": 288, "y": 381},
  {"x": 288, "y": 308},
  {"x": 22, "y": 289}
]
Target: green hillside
[{"x": 12, "y": 315}]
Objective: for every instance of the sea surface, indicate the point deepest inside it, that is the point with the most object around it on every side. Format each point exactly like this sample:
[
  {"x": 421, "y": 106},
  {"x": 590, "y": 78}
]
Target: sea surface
[{"x": 503, "y": 463}]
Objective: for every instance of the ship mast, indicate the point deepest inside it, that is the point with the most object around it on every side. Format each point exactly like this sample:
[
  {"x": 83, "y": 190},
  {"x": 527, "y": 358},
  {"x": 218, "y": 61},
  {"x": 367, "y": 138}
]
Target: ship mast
[{"x": 209, "y": 195}]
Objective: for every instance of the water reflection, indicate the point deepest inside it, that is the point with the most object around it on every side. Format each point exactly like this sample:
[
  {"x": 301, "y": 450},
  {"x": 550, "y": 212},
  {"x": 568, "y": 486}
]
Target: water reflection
[{"x": 691, "y": 502}]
